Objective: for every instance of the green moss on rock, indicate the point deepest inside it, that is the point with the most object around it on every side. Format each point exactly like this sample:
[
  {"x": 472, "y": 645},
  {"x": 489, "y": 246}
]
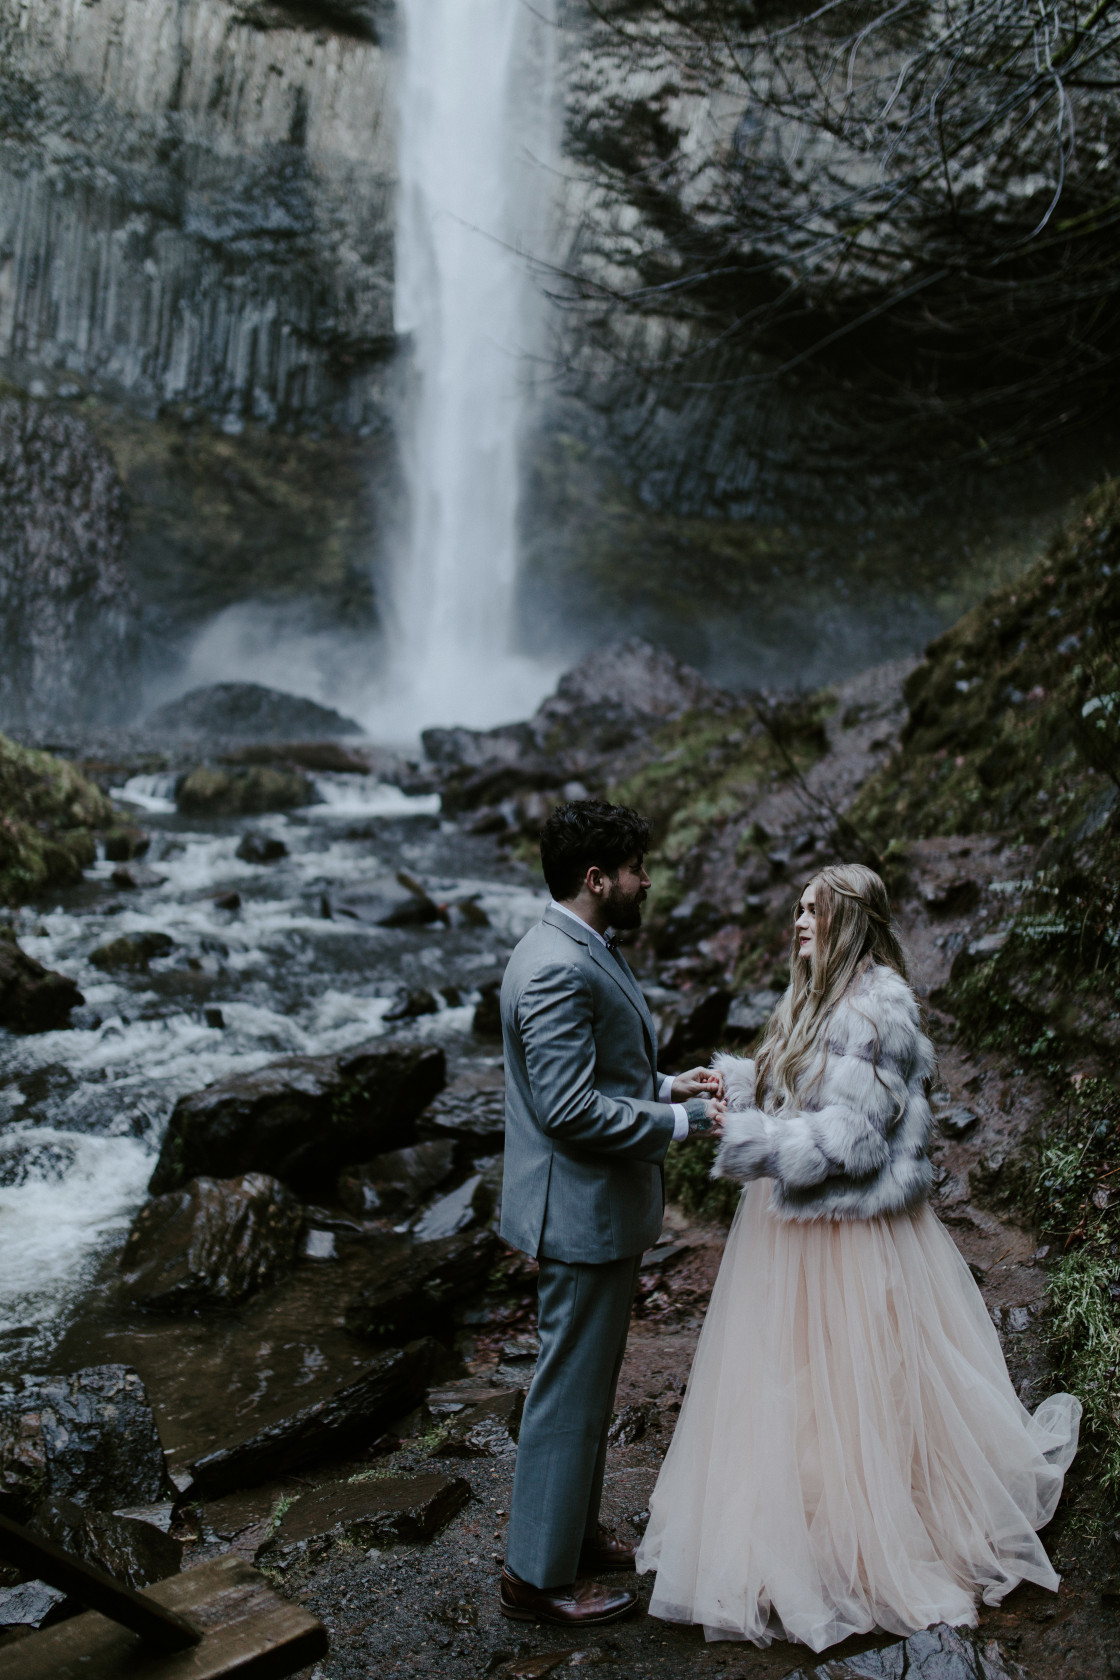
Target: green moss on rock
[
  {"x": 207, "y": 792},
  {"x": 48, "y": 811}
]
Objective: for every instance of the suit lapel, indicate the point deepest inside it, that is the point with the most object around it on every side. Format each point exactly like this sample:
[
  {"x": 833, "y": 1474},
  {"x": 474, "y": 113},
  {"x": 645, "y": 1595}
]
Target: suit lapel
[{"x": 617, "y": 969}]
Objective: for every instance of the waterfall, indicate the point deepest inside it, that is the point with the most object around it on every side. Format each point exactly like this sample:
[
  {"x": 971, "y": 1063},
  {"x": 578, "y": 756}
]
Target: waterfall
[{"x": 477, "y": 119}]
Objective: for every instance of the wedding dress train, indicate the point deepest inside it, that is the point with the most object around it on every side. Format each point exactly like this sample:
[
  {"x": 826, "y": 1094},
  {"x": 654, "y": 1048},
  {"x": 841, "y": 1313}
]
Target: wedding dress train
[{"x": 850, "y": 1453}]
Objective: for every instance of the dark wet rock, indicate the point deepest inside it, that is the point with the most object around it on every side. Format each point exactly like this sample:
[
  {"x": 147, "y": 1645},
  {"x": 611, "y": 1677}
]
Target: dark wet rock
[
  {"x": 227, "y": 901},
  {"x": 487, "y": 1020},
  {"x": 33, "y": 1605},
  {"x": 467, "y": 790},
  {"x": 351, "y": 1416},
  {"x": 261, "y": 848},
  {"x": 208, "y": 792},
  {"x": 135, "y": 1553},
  {"x": 409, "y": 1004},
  {"x": 956, "y": 896},
  {"x": 132, "y": 950},
  {"x": 213, "y": 1017},
  {"x": 69, "y": 633},
  {"x": 616, "y": 696},
  {"x": 124, "y": 844},
  {"x": 422, "y": 1284},
  {"x": 663, "y": 1256},
  {"x": 632, "y": 1423},
  {"x": 472, "y": 1111},
  {"x": 937, "y": 1653},
  {"x": 303, "y": 1118},
  {"x": 50, "y": 810},
  {"x": 385, "y": 903},
  {"x": 472, "y": 748},
  {"x": 978, "y": 951},
  {"x": 330, "y": 757},
  {"x": 33, "y": 999},
  {"x": 398, "y": 1181},
  {"x": 88, "y": 1434},
  {"x": 471, "y": 1203},
  {"x": 248, "y": 711},
  {"x": 212, "y": 1244},
  {"x": 135, "y": 875},
  {"x": 687, "y": 923},
  {"x": 488, "y": 1430},
  {"x": 958, "y": 1121},
  {"x": 748, "y": 1015},
  {"x": 695, "y": 1024},
  {"x": 380, "y": 1512}
]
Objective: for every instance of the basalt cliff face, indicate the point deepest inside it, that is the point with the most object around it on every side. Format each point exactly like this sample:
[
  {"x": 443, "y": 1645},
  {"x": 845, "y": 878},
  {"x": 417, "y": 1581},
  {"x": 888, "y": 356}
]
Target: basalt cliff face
[
  {"x": 196, "y": 260},
  {"x": 195, "y": 207}
]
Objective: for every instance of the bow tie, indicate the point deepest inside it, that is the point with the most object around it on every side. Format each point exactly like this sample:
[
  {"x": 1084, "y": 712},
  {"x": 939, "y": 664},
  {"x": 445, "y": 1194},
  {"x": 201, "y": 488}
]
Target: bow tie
[{"x": 611, "y": 942}]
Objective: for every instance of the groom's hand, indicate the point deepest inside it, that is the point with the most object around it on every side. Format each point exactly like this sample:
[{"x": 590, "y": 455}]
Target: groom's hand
[{"x": 697, "y": 1082}]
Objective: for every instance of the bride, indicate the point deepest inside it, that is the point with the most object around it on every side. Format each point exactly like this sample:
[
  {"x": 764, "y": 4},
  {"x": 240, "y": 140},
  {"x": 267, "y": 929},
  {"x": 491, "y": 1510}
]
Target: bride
[{"x": 850, "y": 1453}]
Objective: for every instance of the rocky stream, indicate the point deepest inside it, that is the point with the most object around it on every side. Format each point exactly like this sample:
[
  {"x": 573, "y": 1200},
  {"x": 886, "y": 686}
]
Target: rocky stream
[{"x": 251, "y": 1296}]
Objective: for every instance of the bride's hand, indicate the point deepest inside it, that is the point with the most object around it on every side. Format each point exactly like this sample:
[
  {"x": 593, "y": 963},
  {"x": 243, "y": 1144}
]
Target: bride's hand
[{"x": 697, "y": 1082}]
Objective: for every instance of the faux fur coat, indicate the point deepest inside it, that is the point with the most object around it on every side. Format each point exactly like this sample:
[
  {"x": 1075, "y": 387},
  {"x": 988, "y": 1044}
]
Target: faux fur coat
[{"x": 855, "y": 1146}]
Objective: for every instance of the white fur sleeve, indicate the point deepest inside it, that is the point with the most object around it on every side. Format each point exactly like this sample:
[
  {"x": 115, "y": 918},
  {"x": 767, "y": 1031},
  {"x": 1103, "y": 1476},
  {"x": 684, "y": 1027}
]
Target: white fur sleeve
[{"x": 858, "y": 1100}]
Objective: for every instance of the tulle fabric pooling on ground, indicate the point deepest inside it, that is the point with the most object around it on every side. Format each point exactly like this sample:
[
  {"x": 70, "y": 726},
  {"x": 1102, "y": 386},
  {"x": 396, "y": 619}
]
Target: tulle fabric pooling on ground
[{"x": 850, "y": 1453}]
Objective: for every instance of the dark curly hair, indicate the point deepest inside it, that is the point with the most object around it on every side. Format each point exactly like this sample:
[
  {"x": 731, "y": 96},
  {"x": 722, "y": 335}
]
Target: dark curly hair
[{"x": 587, "y": 832}]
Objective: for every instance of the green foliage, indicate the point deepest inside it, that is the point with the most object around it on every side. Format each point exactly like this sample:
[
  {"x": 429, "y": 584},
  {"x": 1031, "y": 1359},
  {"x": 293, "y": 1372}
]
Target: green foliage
[
  {"x": 1077, "y": 1205},
  {"x": 47, "y": 809},
  {"x": 1009, "y": 701},
  {"x": 688, "y": 1182},
  {"x": 703, "y": 767}
]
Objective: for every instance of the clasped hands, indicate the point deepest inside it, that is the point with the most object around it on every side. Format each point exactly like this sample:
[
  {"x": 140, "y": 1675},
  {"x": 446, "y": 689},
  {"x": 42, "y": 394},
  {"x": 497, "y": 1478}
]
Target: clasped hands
[{"x": 704, "y": 1083}]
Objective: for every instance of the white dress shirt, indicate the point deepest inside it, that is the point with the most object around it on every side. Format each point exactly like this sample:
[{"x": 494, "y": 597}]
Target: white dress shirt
[{"x": 665, "y": 1094}]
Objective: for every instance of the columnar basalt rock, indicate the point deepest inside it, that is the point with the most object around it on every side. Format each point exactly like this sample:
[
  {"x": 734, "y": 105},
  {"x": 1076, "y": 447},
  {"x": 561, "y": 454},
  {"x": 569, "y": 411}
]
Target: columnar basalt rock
[{"x": 68, "y": 629}]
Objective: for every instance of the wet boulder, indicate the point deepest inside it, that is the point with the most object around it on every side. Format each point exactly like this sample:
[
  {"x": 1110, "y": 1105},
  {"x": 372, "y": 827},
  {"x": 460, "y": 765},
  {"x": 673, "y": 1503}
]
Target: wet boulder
[
  {"x": 380, "y": 1512},
  {"x": 207, "y": 792},
  {"x": 488, "y": 1430},
  {"x": 398, "y": 1181},
  {"x": 250, "y": 712},
  {"x": 487, "y": 1019},
  {"x": 89, "y": 1434},
  {"x": 421, "y": 1285},
  {"x": 937, "y": 1653},
  {"x": 33, "y": 999},
  {"x": 349, "y": 1418},
  {"x": 32, "y": 1605},
  {"x": 409, "y": 1003},
  {"x": 490, "y": 784},
  {"x": 470, "y": 1203},
  {"x": 211, "y": 1244},
  {"x": 454, "y": 749},
  {"x": 122, "y": 845},
  {"x": 301, "y": 1119},
  {"x": 386, "y": 902},
  {"x": 133, "y": 1552},
  {"x": 748, "y": 1015},
  {"x": 696, "y": 1023},
  {"x": 472, "y": 1111},
  {"x": 132, "y": 950},
  {"x": 261, "y": 848}
]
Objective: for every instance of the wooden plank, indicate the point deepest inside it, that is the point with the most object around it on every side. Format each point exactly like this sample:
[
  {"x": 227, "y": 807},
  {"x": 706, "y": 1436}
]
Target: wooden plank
[
  {"x": 39, "y": 1558},
  {"x": 248, "y": 1631}
]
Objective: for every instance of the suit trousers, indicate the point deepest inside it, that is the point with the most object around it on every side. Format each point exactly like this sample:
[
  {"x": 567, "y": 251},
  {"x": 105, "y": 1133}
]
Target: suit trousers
[{"x": 584, "y": 1315}]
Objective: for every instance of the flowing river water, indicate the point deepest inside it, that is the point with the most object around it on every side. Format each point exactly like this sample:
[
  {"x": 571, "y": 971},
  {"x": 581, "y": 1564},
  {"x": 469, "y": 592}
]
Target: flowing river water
[{"x": 291, "y": 971}]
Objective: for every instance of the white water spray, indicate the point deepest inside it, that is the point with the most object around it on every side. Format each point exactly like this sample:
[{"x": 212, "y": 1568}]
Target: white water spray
[{"x": 476, "y": 133}]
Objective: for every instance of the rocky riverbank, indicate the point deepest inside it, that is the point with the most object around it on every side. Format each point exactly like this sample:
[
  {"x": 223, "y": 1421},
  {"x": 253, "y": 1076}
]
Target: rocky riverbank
[{"x": 329, "y": 1346}]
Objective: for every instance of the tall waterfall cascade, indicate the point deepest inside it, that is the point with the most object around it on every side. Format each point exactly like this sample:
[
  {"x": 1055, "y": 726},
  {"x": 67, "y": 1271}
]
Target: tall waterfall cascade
[{"x": 477, "y": 139}]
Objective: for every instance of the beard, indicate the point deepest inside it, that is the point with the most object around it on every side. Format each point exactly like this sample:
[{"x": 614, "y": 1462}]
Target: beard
[{"x": 624, "y": 909}]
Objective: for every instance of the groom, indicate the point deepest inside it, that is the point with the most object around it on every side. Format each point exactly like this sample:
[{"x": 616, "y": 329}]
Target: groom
[{"x": 588, "y": 1121}]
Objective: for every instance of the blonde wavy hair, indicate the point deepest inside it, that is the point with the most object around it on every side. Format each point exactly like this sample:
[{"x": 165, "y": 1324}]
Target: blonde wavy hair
[{"x": 853, "y": 918}]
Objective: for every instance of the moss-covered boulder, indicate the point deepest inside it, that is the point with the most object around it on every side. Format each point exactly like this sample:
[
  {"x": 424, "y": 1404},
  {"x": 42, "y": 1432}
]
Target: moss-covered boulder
[
  {"x": 48, "y": 812},
  {"x": 207, "y": 792}
]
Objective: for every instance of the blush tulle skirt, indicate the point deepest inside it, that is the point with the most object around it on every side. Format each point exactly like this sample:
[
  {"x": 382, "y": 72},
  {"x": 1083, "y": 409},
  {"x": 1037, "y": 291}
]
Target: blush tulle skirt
[{"x": 850, "y": 1453}]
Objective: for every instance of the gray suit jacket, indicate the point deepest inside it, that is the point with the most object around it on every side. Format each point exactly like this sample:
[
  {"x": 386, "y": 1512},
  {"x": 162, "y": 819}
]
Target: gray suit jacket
[{"x": 585, "y": 1134}]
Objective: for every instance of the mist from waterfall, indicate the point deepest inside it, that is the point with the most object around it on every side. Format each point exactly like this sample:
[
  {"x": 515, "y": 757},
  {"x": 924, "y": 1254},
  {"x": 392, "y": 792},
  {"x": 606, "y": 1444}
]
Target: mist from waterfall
[{"x": 476, "y": 138}]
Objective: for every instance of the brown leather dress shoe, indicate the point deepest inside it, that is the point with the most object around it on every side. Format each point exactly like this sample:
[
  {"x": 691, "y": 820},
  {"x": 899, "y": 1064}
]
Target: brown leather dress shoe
[
  {"x": 604, "y": 1552},
  {"x": 577, "y": 1605}
]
